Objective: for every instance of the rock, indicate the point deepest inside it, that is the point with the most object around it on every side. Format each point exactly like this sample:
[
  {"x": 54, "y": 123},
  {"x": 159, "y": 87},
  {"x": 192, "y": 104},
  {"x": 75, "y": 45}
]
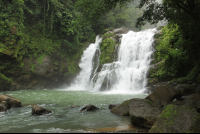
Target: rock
[
  {"x": 40, "y": 68},
  {"x": 89, "y": 108},
  {"x": 143, "y": 113},
  {"x": 10, "y": 101},
  {"x": 120, "y": 30},
  {"x": 177, "y": 119},
  {"x": 3, "y": 108},
  {"x": 113, "y": 105},
  {"x": 185, "y": 89},
  {"x": 37, "y": 110},
  {"x": 164, "y": 94},
  {"x": 122, "y": 109}
]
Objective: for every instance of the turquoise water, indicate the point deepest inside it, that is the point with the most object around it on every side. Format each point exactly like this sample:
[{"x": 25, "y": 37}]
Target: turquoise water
[{"x": 64, "y": 119}]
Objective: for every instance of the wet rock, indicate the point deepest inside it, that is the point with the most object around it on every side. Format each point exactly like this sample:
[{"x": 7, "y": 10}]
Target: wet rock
[
  {"x": 122, "y": 109},
  {"x": 37, "y": 110},
  {"x": 3, "y": 107},
  {"x": 113, "y": 105},
  {"x": 89, "y": 108},
  {"x": 177, "y": 119},
  {"x": 143, "y": 113},
  {"x": 10, "y": 101}
]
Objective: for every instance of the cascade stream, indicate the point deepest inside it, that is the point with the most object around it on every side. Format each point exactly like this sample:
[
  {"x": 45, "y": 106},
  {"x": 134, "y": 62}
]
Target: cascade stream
[{"x": 125, "y": 75}]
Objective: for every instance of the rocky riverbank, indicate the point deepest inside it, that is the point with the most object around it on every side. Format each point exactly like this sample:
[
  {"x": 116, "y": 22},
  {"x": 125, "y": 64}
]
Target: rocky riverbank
[{"x": 169, "y": 108}]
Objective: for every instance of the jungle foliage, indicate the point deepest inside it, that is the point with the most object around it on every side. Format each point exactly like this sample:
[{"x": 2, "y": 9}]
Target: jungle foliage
[{"x": 179, "y": 47}]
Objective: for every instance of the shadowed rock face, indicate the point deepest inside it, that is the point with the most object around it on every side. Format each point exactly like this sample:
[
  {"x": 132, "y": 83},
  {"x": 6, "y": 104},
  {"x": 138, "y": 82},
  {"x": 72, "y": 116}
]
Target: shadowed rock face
[{"x": 37, "y": 110}]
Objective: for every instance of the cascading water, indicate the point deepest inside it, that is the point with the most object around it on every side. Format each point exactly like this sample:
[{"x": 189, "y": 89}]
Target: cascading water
[
  {"x": 88, "y": 67},
  {"x": 127, "y": 74}
]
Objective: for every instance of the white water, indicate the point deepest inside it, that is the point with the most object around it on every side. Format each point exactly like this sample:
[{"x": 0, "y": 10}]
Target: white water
[
  {"x": 126, "y": 75},
  {"x": 82, "y": 81}
]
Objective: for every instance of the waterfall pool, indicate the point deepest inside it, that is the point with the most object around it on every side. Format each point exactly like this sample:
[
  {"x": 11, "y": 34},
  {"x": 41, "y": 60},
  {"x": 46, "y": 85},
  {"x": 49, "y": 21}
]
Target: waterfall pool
[{"x": 64, "y": 118}]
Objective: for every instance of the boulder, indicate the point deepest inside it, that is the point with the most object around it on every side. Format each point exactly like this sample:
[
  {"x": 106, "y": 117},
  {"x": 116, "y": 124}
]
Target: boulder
[
  {"x": 164, "y": 94},
  {"x": 37, "y": 110},
  {"x": 122, "y": 109},
  {"x": 177, "y": 119},
  {"x": 113, "y": 105},
  {"x": 192, "y": 101},
  {"x": 143, "y": 113},
  {"x": 89, "y": 108},
  {"x": 10, "y": 101},
  {"x": 185, "y": 89}
]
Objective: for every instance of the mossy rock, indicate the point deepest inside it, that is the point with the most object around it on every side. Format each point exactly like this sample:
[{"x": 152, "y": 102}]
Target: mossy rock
[
  {"x": 177, "y": 119},
  {"x": 122, "y": 109},
  {"x": 143, "y": 113}
]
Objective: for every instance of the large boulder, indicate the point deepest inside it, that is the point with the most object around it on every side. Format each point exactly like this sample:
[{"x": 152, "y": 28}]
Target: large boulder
[
  {"x": 89, "y": 108},
  {"x": 177, "y": 119},
  {"x": 10, "y": 101},
  {"x": 163, "y": 94},
  {"x": 122, "y": 109},
  {"x": 37, "y": 110},
  {"x": 141, "y": 111}
]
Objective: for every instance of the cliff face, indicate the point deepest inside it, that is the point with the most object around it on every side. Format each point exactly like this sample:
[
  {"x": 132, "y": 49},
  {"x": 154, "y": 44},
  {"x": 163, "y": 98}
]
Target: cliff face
[{"x": 46, "y": 73}]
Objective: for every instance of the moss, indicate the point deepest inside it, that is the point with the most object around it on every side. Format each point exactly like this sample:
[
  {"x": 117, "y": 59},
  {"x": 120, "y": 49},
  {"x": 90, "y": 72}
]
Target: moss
[
  {"x": 32, "y": 67},
  {"x": 149, "y": 102},
  {"x": 167, "y": 115},
  {"x": 56, "y": 63},
  {"x": 41, "y": 58},
  {"x": 125, "y": 103}
]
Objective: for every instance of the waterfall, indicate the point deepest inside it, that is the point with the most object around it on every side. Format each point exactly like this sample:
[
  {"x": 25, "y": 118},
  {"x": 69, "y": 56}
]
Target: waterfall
[
  {"x": 88, "y": 67},
  {"x": 125, "y": 75}
]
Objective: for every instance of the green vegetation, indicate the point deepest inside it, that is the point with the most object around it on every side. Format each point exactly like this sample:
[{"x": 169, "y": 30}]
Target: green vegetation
[{"x": 107, "y": 50}]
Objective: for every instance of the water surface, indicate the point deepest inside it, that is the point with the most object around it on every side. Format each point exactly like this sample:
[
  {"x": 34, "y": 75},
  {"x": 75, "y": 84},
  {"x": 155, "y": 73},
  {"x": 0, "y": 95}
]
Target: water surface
[{"x": 64, "y": 119}]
